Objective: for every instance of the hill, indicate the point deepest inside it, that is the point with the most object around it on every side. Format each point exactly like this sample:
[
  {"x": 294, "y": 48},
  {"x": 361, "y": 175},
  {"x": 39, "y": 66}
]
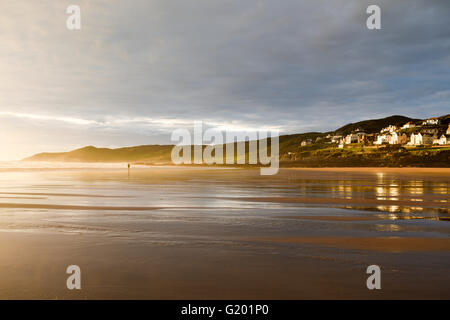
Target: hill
[
  {"x": 147, "y": 153},
  {"x": 154, "y": 153},
  {"x": 372, "y": 126},
  {"x": 320, "y": 153}
]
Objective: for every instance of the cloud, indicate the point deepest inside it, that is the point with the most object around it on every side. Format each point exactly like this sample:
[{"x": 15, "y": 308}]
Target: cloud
[
  {"x": 48, "y": 118},
  {"x": 139, "y": 69}
]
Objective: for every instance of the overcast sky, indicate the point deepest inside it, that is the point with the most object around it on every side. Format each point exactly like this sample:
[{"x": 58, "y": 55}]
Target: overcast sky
[{"x": 139, "y": 69}]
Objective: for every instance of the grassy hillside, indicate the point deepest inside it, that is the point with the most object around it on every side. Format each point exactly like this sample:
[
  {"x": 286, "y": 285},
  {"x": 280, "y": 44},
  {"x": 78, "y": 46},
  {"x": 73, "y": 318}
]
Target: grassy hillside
[
  {"x": 291, "y": 153},
  {"x": 154, "y": 153},
  {"x": 372, "y": 126},
  {"x": 359, "y": 156},
  {"x": 149, "y": 153}
]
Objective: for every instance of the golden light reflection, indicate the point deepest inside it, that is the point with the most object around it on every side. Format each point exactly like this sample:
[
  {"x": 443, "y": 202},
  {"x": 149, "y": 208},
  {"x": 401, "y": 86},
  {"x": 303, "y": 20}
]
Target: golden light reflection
[
  {"x": 388, "y": 227},
  {"x": 389, "y": 208}
]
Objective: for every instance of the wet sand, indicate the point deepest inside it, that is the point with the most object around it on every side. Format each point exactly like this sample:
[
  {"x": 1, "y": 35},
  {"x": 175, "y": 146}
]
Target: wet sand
[
  {"x": 61, "y": 194},
  {"x": 305, "y": 200},
  {"x": 36, "y": 264},
  {"x": 330, "y": 218},
  {"x": 224, "y": 234},
  {"x": 302, "y": 200},
  {"x": 72, "y": 207},
  {"x": 389, "y": 244},
  {"x": 394, "y": 170}
]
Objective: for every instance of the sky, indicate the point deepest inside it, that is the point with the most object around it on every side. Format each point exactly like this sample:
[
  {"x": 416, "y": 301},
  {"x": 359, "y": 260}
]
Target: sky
[{"x": 137, "y": 70}]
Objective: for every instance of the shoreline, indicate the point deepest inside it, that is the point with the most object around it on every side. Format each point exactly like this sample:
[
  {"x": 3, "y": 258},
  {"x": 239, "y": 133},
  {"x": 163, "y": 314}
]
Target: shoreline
[
  {"x": 77, "y": 165},
  {"x": 378, "y": 169}
]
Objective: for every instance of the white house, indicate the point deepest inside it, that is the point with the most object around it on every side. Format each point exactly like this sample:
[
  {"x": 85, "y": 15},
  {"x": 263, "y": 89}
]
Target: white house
[
  {"x": 416, "y": 139},
  {"x": 431, "y": 121},
  {"x": 443, "y": 140},
  {"x": 390, "y": 128},
  {"x": 336, "y": 138},
  {"x": 394, "y": 138},
  {"x": 408, "y": 125},
  {"x": 421, "y": 139},
  {"x": 381, "y": 138},
  {"x": 306, "y": 142},
  {"x": 351, "y": 138}
]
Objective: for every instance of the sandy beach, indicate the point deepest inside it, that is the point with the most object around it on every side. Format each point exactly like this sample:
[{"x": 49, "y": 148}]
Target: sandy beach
[
  {"x": 206, "y": 150},
  {"x": 188, "y": 233},
  {"x": 439, "y": 203},
  {"x": 387, "y": 244},
  {"x": 395, "y": 170}
]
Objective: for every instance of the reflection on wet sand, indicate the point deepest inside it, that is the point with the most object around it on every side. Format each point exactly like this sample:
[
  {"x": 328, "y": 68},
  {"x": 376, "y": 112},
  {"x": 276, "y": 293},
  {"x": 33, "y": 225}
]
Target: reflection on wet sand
[
  {"x": 331, "y": 218},
  {"x": 387, "y": 244},
  {"x": 61, "y": 194},
  {"x": 72, "y": 207},
  {"x": 196, "y": 233},
  {"x": 394, "y": 204}
]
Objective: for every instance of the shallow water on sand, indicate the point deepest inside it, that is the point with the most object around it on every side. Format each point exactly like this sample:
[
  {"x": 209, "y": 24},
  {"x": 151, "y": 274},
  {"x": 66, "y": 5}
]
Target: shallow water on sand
[{"x": 169, "y": 232}]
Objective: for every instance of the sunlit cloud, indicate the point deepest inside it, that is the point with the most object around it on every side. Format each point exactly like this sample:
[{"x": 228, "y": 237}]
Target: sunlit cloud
[
  {"x": 159, "y": 123},
  {"x": 137, "y": 71},
  {"x": 47, "y": 118}
]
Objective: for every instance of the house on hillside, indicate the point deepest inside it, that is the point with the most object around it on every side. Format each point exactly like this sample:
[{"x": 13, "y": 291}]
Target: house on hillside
[
  {"x": 306, "y": 142},
  {"x": 360, "y": 135},
  {"x": 430, "y": 131},
  {"x": 408, "y": 125},
  {"x": 443, "y": 140},
  {"x": 389, "y": 128},
  {"x": 428, "y": 139},
  {"x": 351, "y": 138},
  {"x": 382, "y": 138},
  {"x": 366, "y": 138},
  {"x": 393, "y": 139},
  {"x": 398, "y": 138},
  {"x": 416, "y": 139},
  {"x": 431, "y": 121},
  {"x": 402, "y": 139},
  {"x": 336, "y": 138}
]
